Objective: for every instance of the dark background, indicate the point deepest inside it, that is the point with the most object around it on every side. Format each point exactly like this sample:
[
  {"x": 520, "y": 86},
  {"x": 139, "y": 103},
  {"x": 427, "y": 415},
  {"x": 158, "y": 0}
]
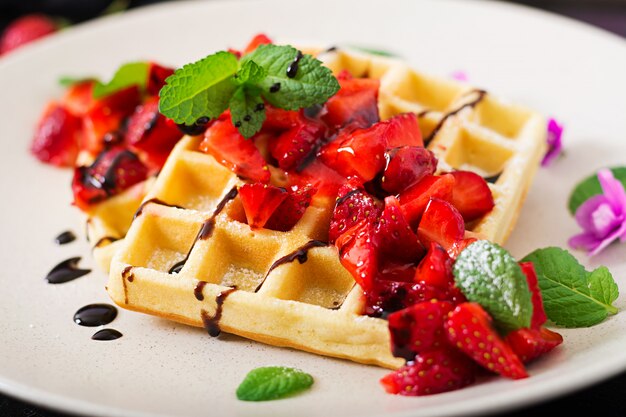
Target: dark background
[{"x": 605, "y": 399}]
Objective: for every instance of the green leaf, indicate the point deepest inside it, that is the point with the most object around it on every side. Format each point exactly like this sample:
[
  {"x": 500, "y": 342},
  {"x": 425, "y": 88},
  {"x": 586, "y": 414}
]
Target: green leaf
[
  {"x": 312, "y": 84},
  {"x": 373, "y": 51},
  {"x": 68, "y": 81},
  {"x": 199, "y": 89},
  {"x": 250, "y": 73},
  {"x": 272, "y": 382},
  {"x": 589, "y": 187},
  {"x": 247, "y": 111},
  {"x": 488, "y": 275},
  {"x": 573, "y": 297},
  {"x": 133, "y": 73}
]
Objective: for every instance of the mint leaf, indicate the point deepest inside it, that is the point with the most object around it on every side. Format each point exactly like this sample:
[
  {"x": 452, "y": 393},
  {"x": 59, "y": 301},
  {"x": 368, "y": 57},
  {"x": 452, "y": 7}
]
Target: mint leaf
[
  {"x": 312, "y": 84},
  {"x": 199, "y": 89},
  {"x": 488, "y": 275},
  {"x": 68, "y": 81},
  {"x": 272, "y": 382},
  {"x": 589, "y": 187},
  {"x": 573, "y": 297},
  {"x": 250, "y": 73},
  {"x": 133, "y": 73},
  {"x": 247, "y": 110}
]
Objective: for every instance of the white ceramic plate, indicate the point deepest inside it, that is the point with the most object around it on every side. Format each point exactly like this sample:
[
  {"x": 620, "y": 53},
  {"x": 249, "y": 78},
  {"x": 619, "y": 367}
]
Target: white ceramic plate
[{"x": 163, "y": 369}]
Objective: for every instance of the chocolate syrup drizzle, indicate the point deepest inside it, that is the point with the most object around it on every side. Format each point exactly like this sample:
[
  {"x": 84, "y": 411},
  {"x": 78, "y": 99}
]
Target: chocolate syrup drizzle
[
  {"x": 127, "y": 275},
  {"x": 66, "y": 271},
  {"x": 197, "y": 291},
  {"x": 65, "y": 237},
  {"x": 301, "y": 254},
  {"x": 94, "y": 315},
  {"x": 106, "y": 335},
  {"x": 139, "y": 211},
  {"x": 105, "y": 241},
  {"x": 493, "y": 179},
  {"x": 481, "y": 95},
  {"x": 212, "y": 324},
  {"x": 107, "y": 181},
  {"x": 206, "y": 231}
]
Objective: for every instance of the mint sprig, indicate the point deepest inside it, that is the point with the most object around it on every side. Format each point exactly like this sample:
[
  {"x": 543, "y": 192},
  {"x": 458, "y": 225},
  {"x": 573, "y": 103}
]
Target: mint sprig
[
  {"x": 132, "y": 73},
  {"x": 572, "y": 296},
  {"x": 590, "y": 187},
  {"x": 272, "y": 382},
  {"x": 488, "y": 275},
  {"x": 206, "y": 88}
]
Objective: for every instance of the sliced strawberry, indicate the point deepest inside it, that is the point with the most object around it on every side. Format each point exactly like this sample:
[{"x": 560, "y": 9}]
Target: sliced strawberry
[
  {"x": 406, "y": 166},
  {"x": 106, "y": 116},
  {"x": 403, "y": 130},
  {"x": 224, "y": 142},
  {"x": 292, "y": 147},
  {"x": 469, "y": 328},
  {"x": 279, "y": 119},
  {"x": 260, "y": 39},
  {"x": 539, "y": 314},
  {"x": 389, "y": 270},
  {"x": 290, "y": 211},
  {"x": 415, "y": 199},
  {"x": 471, "y": 195},
  {"x": 459, "y": 246},
  {"x": 260, "y": 201},
  {"x": 150, "y": 132},
  {"x": 112, "y": 172},
  {"x": 441, "y": 223},
  {"x": 25, "y": 30},
  {"x": 358, "y": 253},
  {"x": 355, "y": 103},
  {"x": 78, "y": 98},
  {"x": 529, "y": 344},
  {"x": 394, "y": 237},
  {"x": 418, "y": 328},
  {"x": 156, "y": 78},
  {"x": 57, "y": 136},
  {"x": 431, "y": 373},
  {"x": 353, "y": 205},
  {"x": 325, "y": 180},
  {"x": 436, "y": 268}
]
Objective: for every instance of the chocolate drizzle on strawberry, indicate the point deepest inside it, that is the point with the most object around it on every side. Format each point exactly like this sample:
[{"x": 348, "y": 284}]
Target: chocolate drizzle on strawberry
[
  {"x": 211, "y": 323},
  {"x": 107, "y": 182},
  {"x": 480, "y": 96}
]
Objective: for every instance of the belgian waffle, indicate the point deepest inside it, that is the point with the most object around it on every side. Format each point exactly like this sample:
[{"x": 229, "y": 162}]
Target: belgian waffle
[{"x": 190, "y": 257}]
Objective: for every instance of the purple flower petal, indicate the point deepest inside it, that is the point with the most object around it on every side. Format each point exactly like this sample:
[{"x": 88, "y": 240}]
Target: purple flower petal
[
  {"x": 608, "y": 240},
  {"x": 459, "y": 76},
  {"x": 586, "y": 241},
  {"x": 584, "y": 213},
  {"x": 555, "y": 144},
  {"x": 613, "y": 190},
  {"x": 605, "y": 220}
]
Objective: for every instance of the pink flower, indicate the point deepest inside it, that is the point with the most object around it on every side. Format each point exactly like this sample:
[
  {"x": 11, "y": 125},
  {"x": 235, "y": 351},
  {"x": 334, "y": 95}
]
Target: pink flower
[
  {"x": 555, "y": 146},
  {"x": 459, "y": 76},
  {"x": 602, "y": 217}
]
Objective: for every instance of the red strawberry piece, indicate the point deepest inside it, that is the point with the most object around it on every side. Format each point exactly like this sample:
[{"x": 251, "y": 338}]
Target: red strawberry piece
[
  {"x": 152, "y": 133},
  {"x": 156, "y": 78},
  {"x": 279, "y": 119},
  {"x": 415, "y": 199},
  {"x": 260, "y": 201},
  {"x": 460, "y": 245},
  {"x": 292, "y": 147},
  {"x": 436, "y": 268},
  {"x": 403, "y": 130},
  {"x": 224, "y": 142},
  {"x": 358, "y": 254},
  {"x": 25, "y": 30},
  {"x": 353, "y": 205},
  {"x": 418, "y": 328},
  {"x": 406, "y": 166},
  {"x": 395, "y": 271},
  {"x": 290, "y": 211},
  {"x": 469, "y": 329},
  {"x": 441, "y": 223},
  {"x": 325, "y": 180},
  {"x": 355, "y": 103},
  {"x": 78, "y": 98},
  {"x": 105, "y": 116},
  {"x": 529, "y": 344},
  {"x": 539, "y": 314},
  {"x": 394, "y": 237},
  {"x": 259, "y": 39},
  {"x": 112, "y": 172},
  {"x": 358, "y": 152},
  {"x": 344, "y": 75},
  {"x": 431, "y": 373},
  {"x": 471, "y": 195},
  {"x": 57, "y": 136}
]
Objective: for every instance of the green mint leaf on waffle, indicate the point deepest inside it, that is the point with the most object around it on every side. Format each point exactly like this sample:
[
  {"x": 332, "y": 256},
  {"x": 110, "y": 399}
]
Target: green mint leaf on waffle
[
  {"x": 199, "y": 89},
  {"x": 272, "y": 382},
  {"x": 572, "y": 296},
  {"x": 133, "y": 73},
  {"x": 247, "y": 110},
  {"x": 250, "y": 73},
  {"x": 488, "y": 275},
  {"x": 312, "y": 83},
  {"x": 590, "y": 187}
]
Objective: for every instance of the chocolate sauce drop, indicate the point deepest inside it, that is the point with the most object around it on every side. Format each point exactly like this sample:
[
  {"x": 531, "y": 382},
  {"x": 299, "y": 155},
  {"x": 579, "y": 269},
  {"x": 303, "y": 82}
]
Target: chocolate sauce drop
[
  {"x": 66, "y": 271},
  {"x": 94, "y": 315},
  {"x": 275, "y": 88},
  {"x": 65, "y": 237},
  {"x": 212, "y": 324},
  {"x": 197, "y": 291},
  {"x": 292, "y": 69},
  {"x": 106, "y": 334}
]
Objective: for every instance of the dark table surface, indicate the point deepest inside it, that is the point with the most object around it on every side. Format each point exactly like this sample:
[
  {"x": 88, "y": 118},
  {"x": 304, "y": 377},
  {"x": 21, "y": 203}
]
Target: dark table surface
[{"x": 604, "y": 399}]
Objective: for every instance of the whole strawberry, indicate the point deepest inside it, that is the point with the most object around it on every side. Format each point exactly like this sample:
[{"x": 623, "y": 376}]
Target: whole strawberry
[{"x": 24, "y": 30}]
